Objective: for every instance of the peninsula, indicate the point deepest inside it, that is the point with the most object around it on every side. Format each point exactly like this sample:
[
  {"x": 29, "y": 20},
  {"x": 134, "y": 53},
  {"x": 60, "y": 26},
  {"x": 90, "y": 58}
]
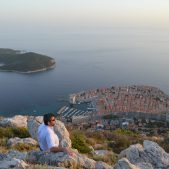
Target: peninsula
[{"x": 24, "y": 62}]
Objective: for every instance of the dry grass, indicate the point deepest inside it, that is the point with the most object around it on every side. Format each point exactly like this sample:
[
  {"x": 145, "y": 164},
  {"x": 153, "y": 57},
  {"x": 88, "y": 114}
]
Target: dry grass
[
  {"x": 37, "y": 166},
  {"x": 110, "y": 158},
  {"x": 24, "y": 147},
  {"x": 3, "y": 145},
  {"x": 3, "y": 150}
]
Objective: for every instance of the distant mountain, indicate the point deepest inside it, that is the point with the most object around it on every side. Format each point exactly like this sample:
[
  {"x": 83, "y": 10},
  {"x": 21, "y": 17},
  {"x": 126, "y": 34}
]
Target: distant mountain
[{"x": 24, "y": 62}]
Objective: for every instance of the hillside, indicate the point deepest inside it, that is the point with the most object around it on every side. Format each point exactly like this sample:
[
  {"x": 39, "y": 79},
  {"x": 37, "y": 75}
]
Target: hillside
[
  {"x": 24, "y": 62},
  {"x": 19, "y": 148}
]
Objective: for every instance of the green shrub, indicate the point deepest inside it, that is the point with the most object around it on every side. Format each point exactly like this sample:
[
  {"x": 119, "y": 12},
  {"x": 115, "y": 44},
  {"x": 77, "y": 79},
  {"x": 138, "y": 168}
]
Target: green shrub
[
  {"x": 79, "y": 142},
  {"x": 126, "y": 132},
  {"x": 21, "y": 132},
  {"x": 164, "y": 144},
  {"x": 119, "y": 144},
  {"x": 10, "y": 132},
  {"x": 115, "y": 141},
  {"x": 98, "y": 136}
]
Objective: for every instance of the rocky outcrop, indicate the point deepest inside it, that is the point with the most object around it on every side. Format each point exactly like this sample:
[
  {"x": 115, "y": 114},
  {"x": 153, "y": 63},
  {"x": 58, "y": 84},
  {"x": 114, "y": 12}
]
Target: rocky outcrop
[
  {"x": 13, "y": 160},
  {"x": 16, "y": 160},
  {"x": 59, "y": 128},
  {"x": 148, "y": 156},
  {"x": 63, "y": 160},
  {"x": 101, "y": 152},
  {"x": 14, "y": 141},
  {"x": 16, "y": 121},
  {"x": 125, "y": 164},
  {"x": 13, "y": 163}
]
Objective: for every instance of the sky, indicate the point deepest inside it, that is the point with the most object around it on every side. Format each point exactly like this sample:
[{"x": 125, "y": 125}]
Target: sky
[{"x": 84, "y": 12}]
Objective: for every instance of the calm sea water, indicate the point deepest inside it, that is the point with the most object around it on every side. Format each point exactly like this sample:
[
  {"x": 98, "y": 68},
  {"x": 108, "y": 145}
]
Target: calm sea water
[{"x": 86, "y": 59}]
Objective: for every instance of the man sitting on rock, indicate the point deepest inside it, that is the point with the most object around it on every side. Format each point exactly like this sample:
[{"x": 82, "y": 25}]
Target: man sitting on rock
[{"x": 47, "y": 138}]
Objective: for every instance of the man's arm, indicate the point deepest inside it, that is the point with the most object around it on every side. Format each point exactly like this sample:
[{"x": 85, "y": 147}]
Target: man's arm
[
  {"x": 61, "y": 149},
  {"x": 57, "y": 149}
]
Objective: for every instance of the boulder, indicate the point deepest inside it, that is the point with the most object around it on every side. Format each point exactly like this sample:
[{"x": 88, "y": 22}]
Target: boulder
[
  {"x": 16, "y": 140},
  {"x": 125, "y": 164},
  {"x": 62, "y": 133},
  {"x": 13, "y": 163},
  {"x": 101, "y": 152},
  {"x": 16, "y": 154},
  {"x": 150, "y": 155},
  {"x": 63, "y": 160},
  {"x": 14, "y": 160},
  {"x": 2, "y": 156},
  {"x": 102, "y": 165},
  {"x": 59, "y": 128},
  {"x": 16, "y": 121}
]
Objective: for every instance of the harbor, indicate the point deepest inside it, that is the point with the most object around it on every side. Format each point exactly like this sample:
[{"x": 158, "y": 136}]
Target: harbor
[{"x": 77, "y": 110}]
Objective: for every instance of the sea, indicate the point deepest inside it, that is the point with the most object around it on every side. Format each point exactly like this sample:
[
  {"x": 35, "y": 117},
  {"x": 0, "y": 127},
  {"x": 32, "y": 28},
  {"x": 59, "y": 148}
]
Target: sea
[{"x": 85, "y": 59}]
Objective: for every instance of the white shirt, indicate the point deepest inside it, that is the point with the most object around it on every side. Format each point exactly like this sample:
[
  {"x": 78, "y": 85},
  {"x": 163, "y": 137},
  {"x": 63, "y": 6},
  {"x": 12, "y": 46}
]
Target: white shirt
[{"x": 47, "y": 137}]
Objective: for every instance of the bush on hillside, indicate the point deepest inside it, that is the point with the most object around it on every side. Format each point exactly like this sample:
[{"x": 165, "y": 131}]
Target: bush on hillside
[
  {"x": 119, "y": 144},
  {"x": 165, "y": 144},
  {"x": 10, "y": 132},
  {"x": 126, "y": 132},
  {"x": 79, "y": 142}
]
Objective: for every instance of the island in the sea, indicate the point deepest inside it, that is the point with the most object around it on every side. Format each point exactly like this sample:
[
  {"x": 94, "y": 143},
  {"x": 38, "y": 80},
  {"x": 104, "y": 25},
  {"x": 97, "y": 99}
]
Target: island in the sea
[{"x": 24, "y": 62}]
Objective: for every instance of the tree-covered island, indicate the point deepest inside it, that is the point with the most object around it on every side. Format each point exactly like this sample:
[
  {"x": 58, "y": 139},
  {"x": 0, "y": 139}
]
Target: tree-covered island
[{"x": 24, "y": 62}]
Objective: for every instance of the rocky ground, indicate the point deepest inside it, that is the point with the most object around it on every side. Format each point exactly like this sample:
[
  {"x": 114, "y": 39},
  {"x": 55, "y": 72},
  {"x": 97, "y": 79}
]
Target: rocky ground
[{"x": 147, "y": 156}]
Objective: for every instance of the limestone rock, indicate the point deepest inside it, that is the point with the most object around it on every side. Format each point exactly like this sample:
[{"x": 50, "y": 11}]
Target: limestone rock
[
  {"x": 150, "y": 155},
  {"x": 14, "y": 141},
  {"x": 16, "y": 121},
  {"x": 33, "y": 124},
  {"x": 125, "y": 164},
  {"x": 13, "y": 163},
  {"x": 63, "y": 160},
  {"x": 62, "y": 133},
  {"x": 14, "y": 160},
  {"x": 156, "y": 155},
  {"x": 59, "y": 128},
  {"x": 145, "y": 166},
  {"x": 135, "y": 154},
  {"x": 102, "y": 165},
  {"x": 16, "y": 154},
  {"x": 2, "y": 156},
  {"x": 101, "y": 152}
]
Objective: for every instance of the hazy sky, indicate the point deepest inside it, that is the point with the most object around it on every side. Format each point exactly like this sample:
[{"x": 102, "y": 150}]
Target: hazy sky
[{"x": 151, "y": 12}]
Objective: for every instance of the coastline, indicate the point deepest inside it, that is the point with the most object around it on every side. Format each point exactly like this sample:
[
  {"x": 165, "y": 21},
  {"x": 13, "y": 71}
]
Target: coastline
[{"x": 32, "y": 71}]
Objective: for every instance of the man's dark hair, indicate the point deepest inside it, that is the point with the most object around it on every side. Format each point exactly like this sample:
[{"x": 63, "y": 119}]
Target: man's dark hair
[{"x": 47, "y": 117}]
